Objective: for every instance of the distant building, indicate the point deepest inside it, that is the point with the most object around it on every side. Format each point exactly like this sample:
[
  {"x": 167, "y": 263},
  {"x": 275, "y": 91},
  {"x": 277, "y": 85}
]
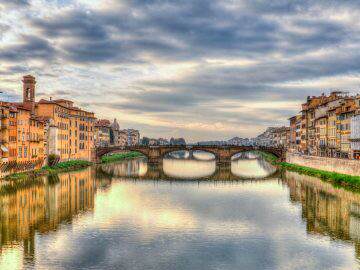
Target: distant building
[
  {"x": 102, "y": 133},
  {"x": 162, "y": 141},
  {"x": 133, "y": 137},
  {"x": 114, "y": 133},
  {"x": 274, "y": 137},
  {"x": 123, "y": 138}
]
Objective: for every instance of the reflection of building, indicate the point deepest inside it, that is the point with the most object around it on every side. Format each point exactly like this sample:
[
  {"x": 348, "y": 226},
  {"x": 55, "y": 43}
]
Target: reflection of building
[
  {"x": 43, "y": 206},
  {"x": 327, "y": 210}
]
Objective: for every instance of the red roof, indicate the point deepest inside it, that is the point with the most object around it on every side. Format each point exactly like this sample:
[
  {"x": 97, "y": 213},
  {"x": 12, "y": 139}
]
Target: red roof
[{"x": 102, "y": 123}]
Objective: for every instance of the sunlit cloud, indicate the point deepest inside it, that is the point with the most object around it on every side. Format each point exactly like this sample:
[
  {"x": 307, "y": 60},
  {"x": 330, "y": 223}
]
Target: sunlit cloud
[{"x": 155, "y": 63}]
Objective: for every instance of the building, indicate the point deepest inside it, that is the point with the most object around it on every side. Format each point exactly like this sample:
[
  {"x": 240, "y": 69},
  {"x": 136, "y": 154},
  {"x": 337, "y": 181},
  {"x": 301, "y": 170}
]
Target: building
[
  {"x": 162, "y": 141},
  {"x": 123, "y": 138},
  {"x": 35, "y": 130},
  {"x": 274, "y": 136},
  {"x": 102, "y": 133},
  {"x": 294, "y": 129},
  {"x": 114, "y": 133},
  {"x": 22, "y": 139},
  {"x": 326, "y": 125},
  {"x": 344, "y": 114},
  {"x": 4, "y": 134},
  {"x": 355, "y": 136},
  {"x": 133, "y": 137}
]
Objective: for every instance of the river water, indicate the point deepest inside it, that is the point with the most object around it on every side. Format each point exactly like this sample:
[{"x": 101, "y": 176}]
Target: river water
[{"x": 185, "y": 214}]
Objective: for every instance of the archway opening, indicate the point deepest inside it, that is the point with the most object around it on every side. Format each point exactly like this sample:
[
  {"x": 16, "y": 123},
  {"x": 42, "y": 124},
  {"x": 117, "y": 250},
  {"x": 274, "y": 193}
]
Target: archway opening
[{"x": 252, "y": 164}]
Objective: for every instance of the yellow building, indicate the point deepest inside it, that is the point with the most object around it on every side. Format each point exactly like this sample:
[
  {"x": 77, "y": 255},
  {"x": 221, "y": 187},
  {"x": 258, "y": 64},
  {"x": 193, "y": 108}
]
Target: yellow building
[
  {"x": 333, "y": 147},
  {"x": 4, "y": 132},
  {"x": 343, "y": 120},
  {"x": 30, "y": 137},
  {"x": 71, "y": 130},
  {"x": 321, "y": 136}
]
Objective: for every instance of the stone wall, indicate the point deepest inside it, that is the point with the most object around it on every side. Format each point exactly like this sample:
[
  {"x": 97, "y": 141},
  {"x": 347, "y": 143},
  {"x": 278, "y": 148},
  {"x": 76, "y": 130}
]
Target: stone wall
[{"x": 338, "y": 165}]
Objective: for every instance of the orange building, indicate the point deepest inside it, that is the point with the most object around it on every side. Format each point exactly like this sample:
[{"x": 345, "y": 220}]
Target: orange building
[
  {"x": 30, "y": 136},
  {"x": 30, "y": 131},
  {"x": 4, "y": 132},
  {"x": 69, "y": 129}
]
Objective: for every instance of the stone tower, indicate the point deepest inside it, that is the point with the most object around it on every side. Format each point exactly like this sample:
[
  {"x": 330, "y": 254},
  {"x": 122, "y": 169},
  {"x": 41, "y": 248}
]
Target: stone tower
[{"x": 29, "y": 92}]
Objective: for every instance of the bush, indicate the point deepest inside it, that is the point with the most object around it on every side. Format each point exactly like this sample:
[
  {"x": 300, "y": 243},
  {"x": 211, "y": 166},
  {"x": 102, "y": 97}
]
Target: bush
[
  {"x": 120, "y": 156},
  {"x": 53, "y": 160}
]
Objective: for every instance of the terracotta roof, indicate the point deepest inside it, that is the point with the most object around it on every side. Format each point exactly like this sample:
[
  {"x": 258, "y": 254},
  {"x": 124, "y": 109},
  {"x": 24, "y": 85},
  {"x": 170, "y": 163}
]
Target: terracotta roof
[{"x": 102, "y": 123}]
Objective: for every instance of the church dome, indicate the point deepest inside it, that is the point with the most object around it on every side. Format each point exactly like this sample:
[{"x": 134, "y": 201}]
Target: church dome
[{"x": 115, "y": 125}]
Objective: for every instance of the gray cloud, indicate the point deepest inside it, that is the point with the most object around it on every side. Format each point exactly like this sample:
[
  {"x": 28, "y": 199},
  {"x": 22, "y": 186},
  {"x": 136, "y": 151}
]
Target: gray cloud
[
  {"x": 30, "y": 47},
  {"x": 15, "y": 3},
  {"x": 113, "y": 50}
]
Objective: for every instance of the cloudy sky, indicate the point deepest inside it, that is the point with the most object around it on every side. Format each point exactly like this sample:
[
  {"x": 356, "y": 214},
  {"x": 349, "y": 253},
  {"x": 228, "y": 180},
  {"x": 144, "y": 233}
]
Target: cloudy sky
[{"x": 201, "y": 69}]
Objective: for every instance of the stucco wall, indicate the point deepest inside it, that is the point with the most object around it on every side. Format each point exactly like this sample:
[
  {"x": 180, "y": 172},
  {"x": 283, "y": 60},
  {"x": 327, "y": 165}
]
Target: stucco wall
[{"x": 328, "y": 164}]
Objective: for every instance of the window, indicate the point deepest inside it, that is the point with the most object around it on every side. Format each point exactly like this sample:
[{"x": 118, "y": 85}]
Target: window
[
  {"x": 25, "y": 151},
  {"x": 20, "y": 152}
]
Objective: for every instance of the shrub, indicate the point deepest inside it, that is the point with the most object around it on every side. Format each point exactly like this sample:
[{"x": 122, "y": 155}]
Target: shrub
[
  {"x": 53, "y": 160},
  {"x": 120, "y": 156}
]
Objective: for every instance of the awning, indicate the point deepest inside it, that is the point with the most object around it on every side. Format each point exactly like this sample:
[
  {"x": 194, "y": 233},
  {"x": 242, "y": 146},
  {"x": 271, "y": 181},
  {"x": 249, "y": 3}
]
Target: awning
[{"x": 4, "y": 148}]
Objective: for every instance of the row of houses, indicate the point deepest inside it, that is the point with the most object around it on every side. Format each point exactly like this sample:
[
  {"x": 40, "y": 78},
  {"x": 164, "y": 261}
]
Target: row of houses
[
  {"x": 32, "y": 130},
  {"x": 327, "y": 125},
  {"x": 110, "y": 134}
]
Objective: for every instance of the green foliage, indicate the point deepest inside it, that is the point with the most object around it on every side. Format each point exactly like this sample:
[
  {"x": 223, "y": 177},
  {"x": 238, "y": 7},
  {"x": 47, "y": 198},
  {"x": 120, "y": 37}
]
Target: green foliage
[
  {"x": 48, "y": 170},
  {"x": 67, "y": 166},
  {"x": 337, "y": 178},
  {"x": 268, "y": 157},
  {"x": 53, "y": 159},
  {"x": 120, "y": 156}
]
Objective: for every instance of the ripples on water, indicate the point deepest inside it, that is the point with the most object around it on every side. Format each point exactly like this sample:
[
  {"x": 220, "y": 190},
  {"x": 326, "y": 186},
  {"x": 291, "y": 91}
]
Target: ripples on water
[{"x": 119, "y": 216}]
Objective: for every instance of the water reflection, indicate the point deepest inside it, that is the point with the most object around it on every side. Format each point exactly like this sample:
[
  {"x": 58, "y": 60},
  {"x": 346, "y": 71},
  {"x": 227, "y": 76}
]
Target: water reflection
[
  {"x": 90, "y": 219},
  {"x": 252, "y": 168},
  {"x": 179, "y": 165},
  {"x": 40, "y": 207},
  {"x": 327, "y": 210},
  {"x": 188, "y": 169}
]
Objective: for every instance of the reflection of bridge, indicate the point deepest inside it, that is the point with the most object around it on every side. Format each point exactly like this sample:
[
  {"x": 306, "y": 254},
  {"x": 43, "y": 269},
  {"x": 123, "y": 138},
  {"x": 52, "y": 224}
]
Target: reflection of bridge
[
  {"x": 156, "y": 172},
  {"x": 223, "y": 154}
]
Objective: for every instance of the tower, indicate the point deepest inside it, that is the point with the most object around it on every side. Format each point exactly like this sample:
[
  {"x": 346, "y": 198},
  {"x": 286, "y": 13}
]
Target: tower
[{"x": 29, "y": 92}]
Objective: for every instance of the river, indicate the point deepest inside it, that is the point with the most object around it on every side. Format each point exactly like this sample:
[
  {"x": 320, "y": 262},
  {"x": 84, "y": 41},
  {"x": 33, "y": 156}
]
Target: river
[{"x": 186, "y": 214}]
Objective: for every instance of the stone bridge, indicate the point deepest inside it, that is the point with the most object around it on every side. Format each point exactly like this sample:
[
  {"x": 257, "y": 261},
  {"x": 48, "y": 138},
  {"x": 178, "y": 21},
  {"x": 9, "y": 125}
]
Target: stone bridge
[{"x": 223, "y": 154}]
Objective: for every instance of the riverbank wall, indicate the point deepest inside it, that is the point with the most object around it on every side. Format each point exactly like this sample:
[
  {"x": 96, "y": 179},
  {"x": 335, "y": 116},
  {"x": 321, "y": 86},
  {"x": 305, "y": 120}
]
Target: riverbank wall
[{"x": 343, "y": 166}]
